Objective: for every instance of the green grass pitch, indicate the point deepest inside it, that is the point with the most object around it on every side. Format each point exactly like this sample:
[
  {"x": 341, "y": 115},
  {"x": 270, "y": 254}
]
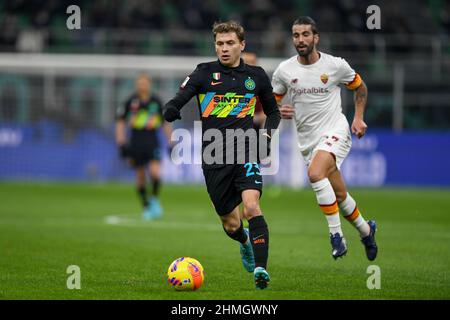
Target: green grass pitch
[{"x": 44, "y": 228}]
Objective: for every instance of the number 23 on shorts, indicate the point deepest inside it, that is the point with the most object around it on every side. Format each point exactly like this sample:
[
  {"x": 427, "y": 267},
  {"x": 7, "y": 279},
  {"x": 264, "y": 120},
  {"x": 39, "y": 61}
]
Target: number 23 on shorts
[{"x": 252, "y": 169}]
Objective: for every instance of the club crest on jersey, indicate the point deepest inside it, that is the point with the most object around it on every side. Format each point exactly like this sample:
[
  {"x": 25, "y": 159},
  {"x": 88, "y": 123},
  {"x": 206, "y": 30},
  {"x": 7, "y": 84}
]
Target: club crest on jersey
[
  {"x": 250, "y": 84},
  {"x": 324, "y": 78},
  {"x": 294, "y": 81},
  {"x": 216, "y": 76}
]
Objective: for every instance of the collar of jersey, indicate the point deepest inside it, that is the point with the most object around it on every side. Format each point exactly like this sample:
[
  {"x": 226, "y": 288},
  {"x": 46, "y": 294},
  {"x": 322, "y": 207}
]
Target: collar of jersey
[
  {"x": 224, "y": 69},
  {"x": 310, "y": 65}
]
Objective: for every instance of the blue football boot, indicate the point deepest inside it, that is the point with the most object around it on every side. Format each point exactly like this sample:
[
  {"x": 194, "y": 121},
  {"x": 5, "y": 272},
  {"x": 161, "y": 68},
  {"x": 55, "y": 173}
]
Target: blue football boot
[
  {"x": 148, "y": 213},
  {"x": 248, "y": 259},
  {"x": 156, "y": 208},
  {"x": 369, "y": 241},
  {"x": 339, "y": 245},
  {"x": 261, "y": 277}
]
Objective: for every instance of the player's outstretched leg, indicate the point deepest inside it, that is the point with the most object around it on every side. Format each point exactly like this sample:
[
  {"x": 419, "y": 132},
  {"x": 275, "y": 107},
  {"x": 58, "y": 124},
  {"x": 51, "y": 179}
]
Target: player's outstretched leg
[
  {"x": 248, "y": 259},
  {"x": 328, "y": 204},
  {"x": 369, "y": 241},
  {"x": 259, "y": 236},
  {"x": 147, "y": 213},
  {"x": 261, "y": 277},
  {"x": 322, "y": 164},
  {"x": 155, "y": 206},
  {"x": 142, "y": 192},
  {"x": 233, "y": 227},
  {"x": 338, "y": 245},
  {"x": 365, "y": 228}
]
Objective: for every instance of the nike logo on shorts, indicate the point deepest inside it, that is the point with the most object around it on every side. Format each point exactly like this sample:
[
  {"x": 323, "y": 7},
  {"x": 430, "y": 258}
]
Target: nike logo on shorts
[{"x": 258, "y": 182}]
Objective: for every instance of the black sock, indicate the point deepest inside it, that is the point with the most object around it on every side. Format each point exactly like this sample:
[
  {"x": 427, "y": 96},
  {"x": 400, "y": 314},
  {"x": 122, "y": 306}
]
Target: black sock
[
  {"x": 156, "y": 184},
  {"x": 142, "y": 191},
  {"x": 259, "y": 237},
  {"x": 238, "y": 235}
]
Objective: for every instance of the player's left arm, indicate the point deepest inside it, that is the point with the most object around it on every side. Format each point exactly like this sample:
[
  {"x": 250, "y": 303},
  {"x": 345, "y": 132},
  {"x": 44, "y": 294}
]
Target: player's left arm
[
  {"x": 167, "y": 128},
  {"x": 353, "y": 81},
  {"x": 269, "y": 105},
  {"x": 287, "y": 111},
  {"x": 121, "y": 128},
  {"x": 359, "y": 127},
  {"x": 188, "y": 89}
]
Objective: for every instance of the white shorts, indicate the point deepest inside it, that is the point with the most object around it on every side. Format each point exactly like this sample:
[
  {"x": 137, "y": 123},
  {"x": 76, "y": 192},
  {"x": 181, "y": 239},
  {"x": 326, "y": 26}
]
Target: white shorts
[{"x": 335, "y": 143}]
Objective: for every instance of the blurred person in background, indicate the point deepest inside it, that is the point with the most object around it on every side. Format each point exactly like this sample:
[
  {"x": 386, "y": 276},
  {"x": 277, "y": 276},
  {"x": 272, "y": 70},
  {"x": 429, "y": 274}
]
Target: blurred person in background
[{"x": 142, "y": 114}]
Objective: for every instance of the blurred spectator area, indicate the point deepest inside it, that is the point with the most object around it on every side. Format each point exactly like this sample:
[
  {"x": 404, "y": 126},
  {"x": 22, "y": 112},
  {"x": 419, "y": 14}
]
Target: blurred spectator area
[
  {"x": 406, "y": 64},
  {"x": 83, "y": 91},
  {"x": 183, "y": 26}
]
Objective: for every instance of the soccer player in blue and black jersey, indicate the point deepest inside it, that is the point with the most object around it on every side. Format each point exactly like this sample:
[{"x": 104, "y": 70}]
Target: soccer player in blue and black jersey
[
  {"x": 142, "y": 114},
  {"x": 227, "y": 90}
]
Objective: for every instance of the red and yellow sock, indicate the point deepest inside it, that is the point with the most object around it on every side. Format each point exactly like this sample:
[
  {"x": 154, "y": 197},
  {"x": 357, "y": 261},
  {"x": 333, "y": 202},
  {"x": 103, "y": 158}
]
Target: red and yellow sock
[
  {"x": 328, "y": 204},
  {"x": 351, "y": 213}
]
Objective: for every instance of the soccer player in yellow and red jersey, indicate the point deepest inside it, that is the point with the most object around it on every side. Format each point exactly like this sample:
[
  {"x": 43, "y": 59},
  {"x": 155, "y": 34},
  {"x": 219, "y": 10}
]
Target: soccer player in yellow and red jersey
[
  {"x": 311, "y": 80},
  {"x": 142, "y": 113}
]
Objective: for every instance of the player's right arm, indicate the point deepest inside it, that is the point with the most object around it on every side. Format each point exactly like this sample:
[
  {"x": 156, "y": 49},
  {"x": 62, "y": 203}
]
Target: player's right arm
[
  {"x": 279, "y": 91},
  {"x": 121, "y": 128},
  {"x": 120, "y": 132},
  {"x": 189, "y": 88}
]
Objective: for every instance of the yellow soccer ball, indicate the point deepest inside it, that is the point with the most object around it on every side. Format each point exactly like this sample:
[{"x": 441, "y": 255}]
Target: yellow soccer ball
[{"x": 185, "y": 274}]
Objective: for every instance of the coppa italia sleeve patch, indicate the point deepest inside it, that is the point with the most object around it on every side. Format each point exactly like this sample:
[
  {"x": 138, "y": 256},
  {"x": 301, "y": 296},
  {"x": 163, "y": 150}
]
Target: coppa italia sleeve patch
[{"x": 185, "y": 82}]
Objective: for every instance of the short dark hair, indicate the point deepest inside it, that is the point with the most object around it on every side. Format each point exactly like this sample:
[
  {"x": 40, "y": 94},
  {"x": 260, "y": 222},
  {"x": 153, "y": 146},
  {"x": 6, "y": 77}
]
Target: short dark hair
[
  {"x": 229, "y": 26},
  {"x": 309, "y": 21}
]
